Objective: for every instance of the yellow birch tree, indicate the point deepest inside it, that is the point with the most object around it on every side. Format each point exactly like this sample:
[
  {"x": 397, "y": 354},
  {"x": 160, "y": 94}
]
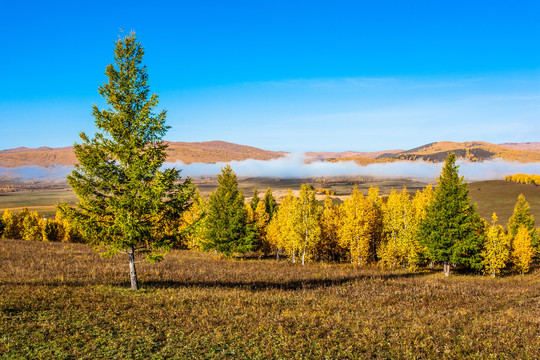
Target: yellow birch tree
[
  {"x": 496, "y": 251},
  {"x": 328, "y": 248},
  {"x": 306, "y": 221},
  {"x": 523, "y": 251},
  {"x": 358, "y": 214}
]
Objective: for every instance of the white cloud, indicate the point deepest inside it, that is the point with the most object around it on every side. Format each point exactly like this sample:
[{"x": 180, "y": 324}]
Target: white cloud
[{"x": 294, "y": 166}]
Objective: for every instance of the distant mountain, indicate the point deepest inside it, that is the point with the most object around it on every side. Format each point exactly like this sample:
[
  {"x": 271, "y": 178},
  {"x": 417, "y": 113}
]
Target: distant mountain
[
  {"x": 208, "y": 151},
  {"x": 471, "y": 151},
  {"x": 217, "y": 151},
  {"x": 534, "y": 146},
  {"x": 346, "y": 155},
  {"x": 221, "y": 151}
]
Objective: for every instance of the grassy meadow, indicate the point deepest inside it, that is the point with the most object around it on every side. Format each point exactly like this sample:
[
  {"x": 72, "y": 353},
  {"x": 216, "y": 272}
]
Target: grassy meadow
[
  {"x": 63, "y": 301},
  {"x": 501, "y": 196},
  {"x": 42, "y": 201}
]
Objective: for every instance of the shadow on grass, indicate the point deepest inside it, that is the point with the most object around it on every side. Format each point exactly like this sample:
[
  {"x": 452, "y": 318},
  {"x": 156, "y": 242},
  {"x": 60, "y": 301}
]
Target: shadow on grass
[{"x": 289, "y": 285}]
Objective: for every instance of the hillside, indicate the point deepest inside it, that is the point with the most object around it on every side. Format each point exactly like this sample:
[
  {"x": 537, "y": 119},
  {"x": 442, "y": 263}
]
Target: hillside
[
  {"x": 535, "y": 146},
  {"x": 472, "y": 151},
  {"x": 346, "y": 155},
  {"x": 209, "y": 151},
  {"x": 221, "y": 151}
]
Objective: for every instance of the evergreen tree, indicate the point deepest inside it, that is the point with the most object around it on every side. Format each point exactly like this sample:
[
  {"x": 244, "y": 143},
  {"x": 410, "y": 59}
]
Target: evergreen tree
[
  {"x": 227, "y": 229},
  {"x": 522, "y": 217},
  {"x": 451, "y": 230},
  {"x": 270, "y": 203},
  {"x": 254, "y": 200},
  {"x": 125, "y": 199}
]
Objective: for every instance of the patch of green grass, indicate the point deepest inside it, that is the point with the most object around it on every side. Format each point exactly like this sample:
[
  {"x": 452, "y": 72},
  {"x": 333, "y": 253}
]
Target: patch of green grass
[
  {"x": 42, "y": 201},
  {"x": 64, "y": 301},
  {"x": 500, "y": 196}
]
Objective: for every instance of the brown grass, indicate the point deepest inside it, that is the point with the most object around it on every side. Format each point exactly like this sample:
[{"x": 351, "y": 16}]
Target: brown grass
[{"x": 64, "y": 301}]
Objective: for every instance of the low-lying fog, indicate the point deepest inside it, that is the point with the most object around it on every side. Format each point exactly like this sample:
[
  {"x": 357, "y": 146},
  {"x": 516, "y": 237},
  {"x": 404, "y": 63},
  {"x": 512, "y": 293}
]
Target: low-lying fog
[{"x": 294, "y": 166}]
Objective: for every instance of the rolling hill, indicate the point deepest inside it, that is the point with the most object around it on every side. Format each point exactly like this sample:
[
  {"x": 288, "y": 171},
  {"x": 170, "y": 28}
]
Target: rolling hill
[
  {"x": 472, "y": 151},
  {"x": 535, "y": 146},
  {"x": 209, "y": 151},
  {"x": 221, "y": 151}
]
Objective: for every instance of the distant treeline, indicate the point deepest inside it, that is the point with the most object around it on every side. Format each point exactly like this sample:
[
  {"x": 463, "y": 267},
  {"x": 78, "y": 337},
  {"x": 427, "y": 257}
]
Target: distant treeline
[
  {"x": 524, "y": 178},
  {"x": 28, "y": 225}
]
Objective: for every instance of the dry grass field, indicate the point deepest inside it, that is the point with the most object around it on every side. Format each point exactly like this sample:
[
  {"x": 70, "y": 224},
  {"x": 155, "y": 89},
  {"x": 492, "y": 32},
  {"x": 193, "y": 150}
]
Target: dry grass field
[{"x": 63, "y": 301}]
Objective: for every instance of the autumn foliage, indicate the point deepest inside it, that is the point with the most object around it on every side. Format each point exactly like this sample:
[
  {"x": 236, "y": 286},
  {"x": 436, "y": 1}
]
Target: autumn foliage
[{"x": 524, "y": 178}]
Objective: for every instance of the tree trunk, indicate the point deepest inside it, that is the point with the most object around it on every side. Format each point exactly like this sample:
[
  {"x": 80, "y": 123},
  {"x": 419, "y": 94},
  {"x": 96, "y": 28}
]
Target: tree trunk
[
  {"x": 293, "y": 257},
  {"x": 446, "y": 268},
  {"x": 132, "y": 271},
  {"x": 277, "y": 254},
  {"x": 305, "y": 244}
]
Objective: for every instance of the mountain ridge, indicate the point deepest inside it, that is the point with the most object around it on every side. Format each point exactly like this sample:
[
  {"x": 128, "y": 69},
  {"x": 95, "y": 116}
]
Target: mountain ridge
[
  {"x": 470, "y": 150},
  {"x": 222, "y": 151}
]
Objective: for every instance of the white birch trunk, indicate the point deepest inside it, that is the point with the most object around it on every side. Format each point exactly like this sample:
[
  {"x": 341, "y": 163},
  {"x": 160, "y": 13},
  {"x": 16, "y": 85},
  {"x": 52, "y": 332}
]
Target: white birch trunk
[{"x": 132, "y": 270}]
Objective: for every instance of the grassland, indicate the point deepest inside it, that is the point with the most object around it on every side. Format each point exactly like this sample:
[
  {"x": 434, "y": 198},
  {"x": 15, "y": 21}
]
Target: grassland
[
  {"x": 64, "y": 301},
  {"x": 501, "y": 196},
  {"x": 42, "y": 201}
]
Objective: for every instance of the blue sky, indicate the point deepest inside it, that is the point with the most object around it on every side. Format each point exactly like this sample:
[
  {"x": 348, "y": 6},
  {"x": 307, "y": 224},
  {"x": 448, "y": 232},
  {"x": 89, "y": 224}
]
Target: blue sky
[{"x": 282, "y": 75}]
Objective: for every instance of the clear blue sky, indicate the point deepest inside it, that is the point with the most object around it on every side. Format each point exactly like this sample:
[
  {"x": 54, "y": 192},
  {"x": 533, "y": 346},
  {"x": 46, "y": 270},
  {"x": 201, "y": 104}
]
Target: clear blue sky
[{"x": 282, "y": 75}]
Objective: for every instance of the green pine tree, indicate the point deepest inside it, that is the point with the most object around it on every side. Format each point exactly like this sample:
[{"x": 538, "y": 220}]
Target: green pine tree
[
  {"x": 270, "y": 203},
  {"x": 451, "y": 230},
  {"x": 254, "y": 200},
  {"x": 125, "y": 200},
  {"x": 522, "y": 217},
  {"x": 227, "y": 229}
]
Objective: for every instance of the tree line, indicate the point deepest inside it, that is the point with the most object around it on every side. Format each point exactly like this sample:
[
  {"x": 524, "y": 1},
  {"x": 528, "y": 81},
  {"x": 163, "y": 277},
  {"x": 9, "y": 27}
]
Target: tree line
[
  {"x": 433, "y": 226},
  {"x": 524, "y": 178}
]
